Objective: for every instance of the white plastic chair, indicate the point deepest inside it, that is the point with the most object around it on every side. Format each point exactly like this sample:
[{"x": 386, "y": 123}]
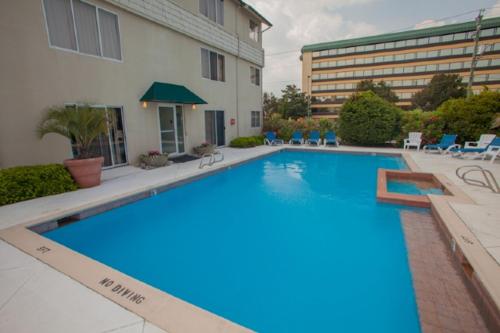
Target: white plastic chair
[
  {"x": 484, "y": 141},
  {"x": 414, "y": 140}
]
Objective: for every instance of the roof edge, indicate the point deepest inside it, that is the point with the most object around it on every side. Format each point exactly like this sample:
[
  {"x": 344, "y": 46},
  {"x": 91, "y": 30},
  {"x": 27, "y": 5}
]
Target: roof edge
[
  {"x": 402, "y": 35},
  {"x": 255, "y": 12}
]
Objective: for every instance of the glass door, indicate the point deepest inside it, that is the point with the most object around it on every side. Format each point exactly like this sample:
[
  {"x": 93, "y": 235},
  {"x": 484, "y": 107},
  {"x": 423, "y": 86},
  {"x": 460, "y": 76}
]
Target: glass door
[
  {"x": 171, "y": 129},
  {"x": 112, "y": 144},
  {"x": 215, "y": 127}
]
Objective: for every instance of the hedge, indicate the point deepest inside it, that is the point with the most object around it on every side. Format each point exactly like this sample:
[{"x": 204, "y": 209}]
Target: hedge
[
  {"x": 367, "y": 119},
  {"x": 29, "y": 182},
  {"x": 247, "y": 142}
]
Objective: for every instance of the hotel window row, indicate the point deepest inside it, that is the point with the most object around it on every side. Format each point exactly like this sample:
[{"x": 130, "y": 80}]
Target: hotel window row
[
  {"x": 461, "y": 36},
  {"x": 405, "y": 83},
  {"x": 407, "y": 70},
  {"x": 459, "y": 51},
  {"x": 81, "y": 27}
]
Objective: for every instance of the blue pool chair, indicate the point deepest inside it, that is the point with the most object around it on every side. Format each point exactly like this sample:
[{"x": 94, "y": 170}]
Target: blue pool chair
[
  {"x": 446, "y": 144},
  {"x": 331, "y": 139},
  {"x": 272, "y": 140},
  {"x": 475, "y": 152},
  {"x": 297, "y": 138},
  {"x": 314, "y": 138}
]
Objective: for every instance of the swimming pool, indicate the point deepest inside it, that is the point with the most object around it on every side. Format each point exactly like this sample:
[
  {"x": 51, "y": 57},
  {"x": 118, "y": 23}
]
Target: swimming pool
[{"x": 292, "y": 242}]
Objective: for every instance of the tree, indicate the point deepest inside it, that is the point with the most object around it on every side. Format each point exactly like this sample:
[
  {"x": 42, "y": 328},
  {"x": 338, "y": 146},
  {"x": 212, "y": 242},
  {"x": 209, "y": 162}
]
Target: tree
[
  {"x": 381, "y": 89},
  {"x": 368, "y": 119},
  {"x": 441, "y": 88},
  {"x": 83, "y": 124},
  {"x": 293, "y": 103},
  {"x": 471, "y": 117},
  {"x": 271, "y": 103}
]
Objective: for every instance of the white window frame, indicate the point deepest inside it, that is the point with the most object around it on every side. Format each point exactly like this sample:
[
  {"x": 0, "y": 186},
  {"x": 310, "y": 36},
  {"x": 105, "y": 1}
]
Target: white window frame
[
  {"x": 77, "y": 51},
  {"x": 209, "y": 67},
  {"x": 252, "y": 118}
]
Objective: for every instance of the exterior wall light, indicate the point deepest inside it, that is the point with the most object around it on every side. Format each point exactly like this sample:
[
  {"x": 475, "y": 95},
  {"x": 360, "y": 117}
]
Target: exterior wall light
[
  {"x": 193, "y": 106},
  {"x": 144, "y": 104}
]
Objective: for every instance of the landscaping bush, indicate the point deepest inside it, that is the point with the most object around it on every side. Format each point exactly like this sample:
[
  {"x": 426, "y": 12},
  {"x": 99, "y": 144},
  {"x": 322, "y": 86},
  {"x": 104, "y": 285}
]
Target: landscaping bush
[
  {"x": 285, "y": 128},
  {"x": 471, "y": 117},
  {"x": 430, "y": 124},
  {"x": 247, "y": 142},
  {"x": 29, "y": 182},
  {"x": 367, "y": 119}
]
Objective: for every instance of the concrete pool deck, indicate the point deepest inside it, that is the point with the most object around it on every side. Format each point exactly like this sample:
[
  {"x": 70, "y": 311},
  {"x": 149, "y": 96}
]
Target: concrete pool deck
[{"x": 34, "y": 296}]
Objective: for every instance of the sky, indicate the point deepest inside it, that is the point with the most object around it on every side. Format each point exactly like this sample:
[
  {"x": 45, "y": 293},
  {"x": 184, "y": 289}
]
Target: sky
[{"x": 300, "y": 22}]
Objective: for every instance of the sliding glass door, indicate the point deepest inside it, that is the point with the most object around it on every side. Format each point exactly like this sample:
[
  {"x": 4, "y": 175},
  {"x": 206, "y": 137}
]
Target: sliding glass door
[
  {"x": 215, "y": 127},
  {"x": 112, "y": 144},
  {"x": 171, "y": 129}
]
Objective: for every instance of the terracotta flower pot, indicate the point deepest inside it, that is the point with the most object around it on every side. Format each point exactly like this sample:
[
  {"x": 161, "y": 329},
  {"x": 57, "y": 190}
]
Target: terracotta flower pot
[{"x": 86, "y": 172}]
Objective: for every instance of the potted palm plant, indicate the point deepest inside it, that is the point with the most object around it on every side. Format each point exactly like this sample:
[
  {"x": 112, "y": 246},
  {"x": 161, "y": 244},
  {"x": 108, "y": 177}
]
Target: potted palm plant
[{"x": 82, "y": 125}]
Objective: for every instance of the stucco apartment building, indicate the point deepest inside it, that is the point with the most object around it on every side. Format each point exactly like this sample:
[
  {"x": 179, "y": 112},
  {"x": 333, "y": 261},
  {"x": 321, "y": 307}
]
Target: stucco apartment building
[
  {"x": 406, "y": 61},
  {"x": 174, "y": 73}
]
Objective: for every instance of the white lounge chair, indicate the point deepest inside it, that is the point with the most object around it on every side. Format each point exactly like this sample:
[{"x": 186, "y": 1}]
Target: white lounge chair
[
  {"x": 414, "y": 140},
  {"x": 484, "y": 141}
]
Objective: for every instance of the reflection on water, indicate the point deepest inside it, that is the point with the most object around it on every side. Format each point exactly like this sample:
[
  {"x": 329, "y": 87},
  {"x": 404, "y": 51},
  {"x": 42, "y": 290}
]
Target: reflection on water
[{"x": 286, "y": 179}]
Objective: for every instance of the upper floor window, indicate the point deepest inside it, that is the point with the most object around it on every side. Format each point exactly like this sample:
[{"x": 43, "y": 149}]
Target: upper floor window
[
  {"x": 254, "y": 31},
  {"x": 213, "y": 65},
  {"x": 255, "y": 75},
  {"x": 79, "y": 26},
  {"x": 213, "y": 9}
]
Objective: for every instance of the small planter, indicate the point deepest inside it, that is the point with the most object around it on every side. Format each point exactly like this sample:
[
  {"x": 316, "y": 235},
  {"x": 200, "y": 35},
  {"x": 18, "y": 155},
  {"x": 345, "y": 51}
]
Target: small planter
[
  {"x": 86, "y": 172},
  {"x": 152, "y": 161},
  {"x": 204, "y": 149}
]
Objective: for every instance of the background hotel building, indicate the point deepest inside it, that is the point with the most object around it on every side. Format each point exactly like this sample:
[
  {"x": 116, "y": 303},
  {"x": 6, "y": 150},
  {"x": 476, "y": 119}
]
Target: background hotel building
[
  {"x": 129, "y": 58},
  {"x": 406, "y": 61}
]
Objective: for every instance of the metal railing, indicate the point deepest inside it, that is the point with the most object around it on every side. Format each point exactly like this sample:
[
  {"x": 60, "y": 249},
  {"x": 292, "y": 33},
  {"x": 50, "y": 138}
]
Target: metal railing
[
  {"x": 488, "y": 182},
  {"x": 211, "y": 158}
]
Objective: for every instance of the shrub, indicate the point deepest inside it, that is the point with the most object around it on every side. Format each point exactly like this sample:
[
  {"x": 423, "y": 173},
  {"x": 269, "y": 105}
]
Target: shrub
[
  {"x": 470, "y": 117},
  {"x": 247, "y": 142},
  {"x": 429, "y": 124},
  {"x": 29, "y": 182},
  {"x": 285, "y": 128},
  {"x": 367, "y": 119}
]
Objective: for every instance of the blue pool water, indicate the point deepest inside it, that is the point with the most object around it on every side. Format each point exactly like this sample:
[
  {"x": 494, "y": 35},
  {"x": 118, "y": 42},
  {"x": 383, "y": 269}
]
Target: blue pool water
[
  {"x": 293, "y": 242},
  {"x": 405, "y": 187}
]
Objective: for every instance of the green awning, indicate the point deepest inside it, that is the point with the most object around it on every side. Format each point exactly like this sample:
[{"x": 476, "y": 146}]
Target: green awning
[{"x": 170, "y": 93}]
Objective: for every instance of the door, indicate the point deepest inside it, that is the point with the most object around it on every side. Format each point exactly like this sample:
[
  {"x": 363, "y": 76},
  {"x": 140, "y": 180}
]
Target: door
[
  {"x": 215, "y": 129},
  {"x": 171, "y": 129},
  {"x": 112, "y": 144}
]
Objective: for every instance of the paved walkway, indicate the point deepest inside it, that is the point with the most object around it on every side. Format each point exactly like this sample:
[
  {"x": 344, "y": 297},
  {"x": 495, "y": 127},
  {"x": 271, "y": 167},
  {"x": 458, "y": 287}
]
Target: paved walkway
[{"x": 34, "y": 297}]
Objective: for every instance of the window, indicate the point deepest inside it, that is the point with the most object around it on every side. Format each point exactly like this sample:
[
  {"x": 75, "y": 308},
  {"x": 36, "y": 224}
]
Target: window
[
  {"x": 457, "y": 51},
  {"x": 411, "y": 42},
  {"x": 212, "y": 65},
  {"x": 255, "y": 75},
  {"x": 255, "y": 120},
  {"x": 254, "y": 31},
  {"x": 444, "y": 67},
  {"x": 432, "y": 54},
  {"x": 445, "y": 52},
  {"x": 369, "y": 47},
  {"x": 213, "y": 9},
  {"x": 487, "y": 32},
  {"x": 323, "y": 53},
  {"x": 332, "y": 52},
  {"x": 423, "y": 41},
  {"x": 79, "y": 26},
  {"x": 447, "y": 38},
  {"x": 401, "y": 43},
  {"x": 315, "y": 54},
  {"x": 434, "y": 39}
]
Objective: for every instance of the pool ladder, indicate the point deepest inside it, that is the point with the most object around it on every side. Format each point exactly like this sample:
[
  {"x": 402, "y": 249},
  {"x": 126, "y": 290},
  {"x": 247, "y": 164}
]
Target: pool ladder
[
  {"x": 211, "y": 158},
  {"x": 489, "y": 180}
]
